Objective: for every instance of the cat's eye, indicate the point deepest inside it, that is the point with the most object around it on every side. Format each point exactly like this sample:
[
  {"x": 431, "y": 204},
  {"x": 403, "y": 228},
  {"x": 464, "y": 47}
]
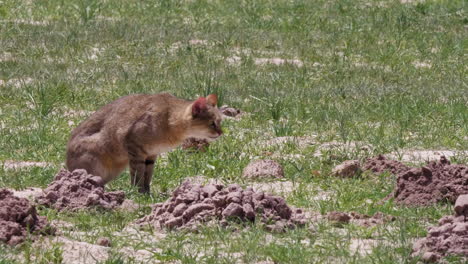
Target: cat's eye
[{"x": 213, "y": 124}]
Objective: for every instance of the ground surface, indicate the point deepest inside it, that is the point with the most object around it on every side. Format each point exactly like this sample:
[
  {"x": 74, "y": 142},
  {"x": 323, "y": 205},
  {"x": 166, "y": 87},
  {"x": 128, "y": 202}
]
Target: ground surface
[{"x": 378, "y": 76}]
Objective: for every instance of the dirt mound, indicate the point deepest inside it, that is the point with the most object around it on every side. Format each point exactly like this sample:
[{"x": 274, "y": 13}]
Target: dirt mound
[
  {"x": 380, "y": 164},
  {"x": 435, "y": 182},
  {"x": 78, "y": 189},
  {"x": 263, "y": 169},
  {"x": 359, "y": 219},
  {"x": 450, "y": 237},
  {"x": 195, "y": 144},
  {"x": 192, "y": 204},
  {"x": 18, "y": 217}
]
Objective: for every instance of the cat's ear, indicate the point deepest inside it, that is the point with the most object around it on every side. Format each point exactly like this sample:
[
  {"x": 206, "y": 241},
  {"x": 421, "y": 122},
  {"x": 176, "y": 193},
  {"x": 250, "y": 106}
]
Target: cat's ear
[
  {"x": 212, "y": 99},
  {"x": 199, "y": 107}
]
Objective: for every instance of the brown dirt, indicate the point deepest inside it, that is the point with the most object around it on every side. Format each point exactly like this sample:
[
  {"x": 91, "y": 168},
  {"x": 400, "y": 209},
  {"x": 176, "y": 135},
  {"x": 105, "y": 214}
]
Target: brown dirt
[
  {"x": 18, "y": 218},
  {"x": 450, "y": 237},
  {"x": 436, "y": 182},
  {"x": 77, "y": 190},
  {"x": 195, "y": 144},
  {"x": 359, "y": 219},
  {"x": 192, "y": 204},
  {"x": 263, "y": 169},
  {"x": 380, "y": 164}
]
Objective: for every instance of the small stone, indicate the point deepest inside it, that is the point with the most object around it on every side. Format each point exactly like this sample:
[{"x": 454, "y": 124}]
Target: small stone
[
  {"x": 180, "y": 209},
  {"x": 349, "y": 168},
  {"x": 249, "y": 212},
  {"x": 234, "y": 197},
  {"x": 430, "y": 257},
  {"x": 229, "y": 111},
  {"x": 174, "y": 222},
  {"x": 209, "y": 190},
  {"x": 461, "y": 205},
  {"x": 233, "y": 210},
  {"x": 338, "y": 217},
  {"x": 104, "y": 241},
  {"x": 195, "y": 209}
]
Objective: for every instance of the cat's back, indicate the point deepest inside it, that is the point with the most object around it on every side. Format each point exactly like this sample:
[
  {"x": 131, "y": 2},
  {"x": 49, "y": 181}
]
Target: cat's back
[{"x": 123, "y": 112}]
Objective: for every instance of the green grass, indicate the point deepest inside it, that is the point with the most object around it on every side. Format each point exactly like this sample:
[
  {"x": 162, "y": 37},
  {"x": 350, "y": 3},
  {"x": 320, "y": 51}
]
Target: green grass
[{"x": 380, "y": 72}]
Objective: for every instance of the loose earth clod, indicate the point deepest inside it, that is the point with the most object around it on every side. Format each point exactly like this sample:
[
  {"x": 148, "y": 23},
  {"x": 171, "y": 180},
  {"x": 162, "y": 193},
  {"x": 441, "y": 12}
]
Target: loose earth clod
[
  {"x": 192, "y": 204},
  {"x": 77, "y": 190},
  {"x": 18, "y": 218},
  {"x": 450, "y": 237}
]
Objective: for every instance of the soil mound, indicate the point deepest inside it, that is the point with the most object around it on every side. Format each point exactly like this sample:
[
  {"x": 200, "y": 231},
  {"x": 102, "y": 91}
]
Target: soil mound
[
  {"x": 18, "y": 218},
  {"x": 192, "y": 204},
  {"x": 450, "y": 237},
  {"x": 78, "y": 189},
  {"x": 436, "y": 182},
  {"x": 263, "y": 169},
  {"x": 380, "y": 164}
]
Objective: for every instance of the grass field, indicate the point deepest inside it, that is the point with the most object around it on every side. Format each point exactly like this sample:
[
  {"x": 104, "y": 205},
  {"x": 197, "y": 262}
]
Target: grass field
[{"x": 384, "y": 73}]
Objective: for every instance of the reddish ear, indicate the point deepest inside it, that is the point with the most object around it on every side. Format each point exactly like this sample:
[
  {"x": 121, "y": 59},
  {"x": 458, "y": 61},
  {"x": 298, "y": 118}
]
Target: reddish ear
[
  {"x": 212, "y": 99},
  {"x": 199, "y": 106}
]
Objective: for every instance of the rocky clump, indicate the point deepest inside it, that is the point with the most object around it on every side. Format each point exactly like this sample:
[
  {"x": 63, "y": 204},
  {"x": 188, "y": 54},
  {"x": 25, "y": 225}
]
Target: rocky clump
[
  {"x": 450, "y": 237},
  {"x": 192, "y": 204},
  {"x": 380, "y": 164},
  {"x": 349, "y": 168},
  {"x": 340, "y": 218},
  {"x": 18, "y": 218},
  {"x": 195, "y": 144},
  {"x": 77, "y": 190},
  {"x": 103, "y": 241},
  {"x": 263, "y": 169},
  {"x": 436, "y": 182},
  {"x": 229, "y": 111}
]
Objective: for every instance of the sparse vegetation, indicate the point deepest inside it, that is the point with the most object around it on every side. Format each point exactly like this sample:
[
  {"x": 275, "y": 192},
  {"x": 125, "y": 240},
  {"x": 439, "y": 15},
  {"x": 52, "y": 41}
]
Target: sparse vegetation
[{"x": 384, "y": 73}]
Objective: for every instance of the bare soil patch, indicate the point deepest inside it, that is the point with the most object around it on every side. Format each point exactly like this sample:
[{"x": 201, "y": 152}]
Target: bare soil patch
[
  {"x": 18, "y": 164},
  {"x": 29, "y": 193},
  {"x": 354, "y": 146},
  {"x": 301, "y": 142},
  {"x": 76, "y": 252},
  {"x": 278, "y": 61},
  {"x": 260, "y": 169},
  {"x": 421, "y": 156},
  {"x": 359, "y": 219}
]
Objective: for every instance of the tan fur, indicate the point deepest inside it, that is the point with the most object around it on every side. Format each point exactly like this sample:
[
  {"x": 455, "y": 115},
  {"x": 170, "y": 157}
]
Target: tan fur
[{"x": 134, "y": 129}]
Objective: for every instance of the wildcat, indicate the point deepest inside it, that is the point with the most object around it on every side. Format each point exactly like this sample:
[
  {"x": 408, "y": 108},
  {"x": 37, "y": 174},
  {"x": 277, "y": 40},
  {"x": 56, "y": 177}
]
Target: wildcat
[{"x": 133, "y": 130}]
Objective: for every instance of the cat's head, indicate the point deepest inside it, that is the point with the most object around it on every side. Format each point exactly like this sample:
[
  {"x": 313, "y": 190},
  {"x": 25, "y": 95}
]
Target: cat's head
[{"x": 205, "y": 118}]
